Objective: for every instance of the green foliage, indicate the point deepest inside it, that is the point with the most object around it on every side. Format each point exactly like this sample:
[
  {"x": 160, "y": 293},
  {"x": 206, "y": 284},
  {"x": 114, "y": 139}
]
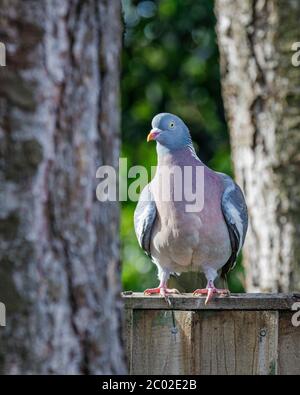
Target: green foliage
[{"x": 170, "y": 63}]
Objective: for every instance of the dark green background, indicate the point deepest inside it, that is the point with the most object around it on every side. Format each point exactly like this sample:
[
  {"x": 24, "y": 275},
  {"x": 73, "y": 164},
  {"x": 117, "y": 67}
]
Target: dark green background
[{"x": 170, "y": 64}]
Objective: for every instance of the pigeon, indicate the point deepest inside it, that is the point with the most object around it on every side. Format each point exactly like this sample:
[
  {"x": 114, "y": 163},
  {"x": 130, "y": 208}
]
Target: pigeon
[{"x": 179, "y": 237}]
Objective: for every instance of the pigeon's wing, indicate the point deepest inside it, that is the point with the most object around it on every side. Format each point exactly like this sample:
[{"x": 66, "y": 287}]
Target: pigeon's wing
[
  {"x": 144, "y": 218},
  {"x": 236, "y": 216}
]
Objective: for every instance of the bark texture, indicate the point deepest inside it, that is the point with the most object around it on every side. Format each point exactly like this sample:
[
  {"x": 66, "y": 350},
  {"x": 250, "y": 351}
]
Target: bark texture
[
  {"x": 262, "y": 96},
  {"x": 59, "y": 248}
]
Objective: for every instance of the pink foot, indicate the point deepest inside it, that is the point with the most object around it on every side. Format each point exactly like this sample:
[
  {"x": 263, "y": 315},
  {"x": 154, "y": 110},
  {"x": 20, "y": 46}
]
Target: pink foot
[
  {"x": 163, "y": 291},
  {"x": 210, "y": 291}
]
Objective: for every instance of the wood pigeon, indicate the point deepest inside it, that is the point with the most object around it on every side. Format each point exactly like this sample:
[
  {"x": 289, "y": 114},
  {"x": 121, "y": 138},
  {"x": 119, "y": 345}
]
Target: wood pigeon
[{"x": 178, "y": 239}]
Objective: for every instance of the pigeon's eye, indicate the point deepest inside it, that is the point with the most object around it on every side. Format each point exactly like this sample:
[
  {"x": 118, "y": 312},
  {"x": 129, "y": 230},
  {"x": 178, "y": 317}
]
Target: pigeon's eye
[{"x": 172, "y": 125}]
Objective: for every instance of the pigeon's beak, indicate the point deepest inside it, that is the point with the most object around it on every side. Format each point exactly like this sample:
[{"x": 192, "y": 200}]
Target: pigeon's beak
[{"x": 153, "y": 135}]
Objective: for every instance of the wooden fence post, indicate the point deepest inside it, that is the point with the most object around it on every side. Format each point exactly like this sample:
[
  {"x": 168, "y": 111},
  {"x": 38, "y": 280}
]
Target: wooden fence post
[{"x": 242, "y": 334}]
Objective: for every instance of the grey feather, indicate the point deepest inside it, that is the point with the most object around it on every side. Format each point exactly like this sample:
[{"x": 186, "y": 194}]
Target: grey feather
[
  {"x": 144, "y": 218},
  {"x": 236, "y": 216}
]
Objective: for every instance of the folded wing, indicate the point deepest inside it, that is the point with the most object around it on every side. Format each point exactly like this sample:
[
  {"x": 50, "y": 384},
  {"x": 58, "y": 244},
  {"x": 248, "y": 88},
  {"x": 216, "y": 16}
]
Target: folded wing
[
  {"x": 144, "y": 218},
  {"x": 236, "y": 216}
]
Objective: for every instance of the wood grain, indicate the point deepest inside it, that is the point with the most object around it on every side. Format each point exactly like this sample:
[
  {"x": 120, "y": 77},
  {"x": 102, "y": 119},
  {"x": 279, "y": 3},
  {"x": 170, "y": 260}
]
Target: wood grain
[
  {"x": 289, "y": 345},
  {"x": 235, "y": 343},
  {"x": 234, "y": 302},
  {"x": 127, "y": 330},
  {"x": 242, "y": 335},
  {"x": 156, "y": 349}
]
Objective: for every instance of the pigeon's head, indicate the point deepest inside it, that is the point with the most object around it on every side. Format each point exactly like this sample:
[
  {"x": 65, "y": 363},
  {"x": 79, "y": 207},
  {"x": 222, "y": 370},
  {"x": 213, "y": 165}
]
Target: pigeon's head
[{"x": 170, "y": 132}]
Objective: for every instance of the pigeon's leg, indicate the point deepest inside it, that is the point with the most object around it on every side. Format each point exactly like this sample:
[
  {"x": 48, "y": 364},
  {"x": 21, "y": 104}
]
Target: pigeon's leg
[
  {"x": 210, "y": 289},
  {"x": 162, "y": 289}
]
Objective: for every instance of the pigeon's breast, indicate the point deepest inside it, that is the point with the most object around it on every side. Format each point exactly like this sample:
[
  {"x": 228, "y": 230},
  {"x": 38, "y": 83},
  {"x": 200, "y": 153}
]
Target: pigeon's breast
[
  {"x": 175, "y": 237},
  {"x": 184, "y": 241}
]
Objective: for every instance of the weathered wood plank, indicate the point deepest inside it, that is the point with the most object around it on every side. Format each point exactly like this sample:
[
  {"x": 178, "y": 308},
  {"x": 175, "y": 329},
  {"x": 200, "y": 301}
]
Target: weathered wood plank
[
  {"x": 244, "y": 334},
  {"x": 128, "y": 336},
  {"x": 289, "y": 345},
  {"x": 206, "y": 343},
  {"x": 156, "y": 349},
  {"x": 235, "y": 343},
  {"x": 234, "y": 302}
]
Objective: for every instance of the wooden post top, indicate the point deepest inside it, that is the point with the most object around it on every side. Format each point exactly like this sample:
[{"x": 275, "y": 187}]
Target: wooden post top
[{"x": 255, "y": 301}]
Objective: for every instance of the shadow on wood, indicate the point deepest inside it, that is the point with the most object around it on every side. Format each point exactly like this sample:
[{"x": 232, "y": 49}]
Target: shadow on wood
[{"x": 248, "y": 334}]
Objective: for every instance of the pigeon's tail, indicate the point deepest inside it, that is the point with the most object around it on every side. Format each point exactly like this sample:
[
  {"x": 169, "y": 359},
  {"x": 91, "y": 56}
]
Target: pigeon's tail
[
  {"x": 229, "y": 265},
  {"x": 225, "y": 280}
]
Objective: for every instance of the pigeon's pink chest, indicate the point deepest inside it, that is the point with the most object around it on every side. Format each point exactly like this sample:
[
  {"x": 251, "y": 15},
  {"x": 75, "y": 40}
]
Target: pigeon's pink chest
[{"x": 189, "y": 238}]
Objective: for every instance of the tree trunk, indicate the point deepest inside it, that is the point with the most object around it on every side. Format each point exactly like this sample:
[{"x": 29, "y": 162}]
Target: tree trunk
[
  {"x": 261, "y": 91},
  {"x": 59, "y": 247}
]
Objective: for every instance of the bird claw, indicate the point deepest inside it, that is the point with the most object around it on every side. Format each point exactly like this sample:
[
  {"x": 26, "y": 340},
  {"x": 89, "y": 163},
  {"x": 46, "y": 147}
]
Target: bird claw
[
  {"x": 210, "y": 292},
  {"x": 164, "y": 292}
]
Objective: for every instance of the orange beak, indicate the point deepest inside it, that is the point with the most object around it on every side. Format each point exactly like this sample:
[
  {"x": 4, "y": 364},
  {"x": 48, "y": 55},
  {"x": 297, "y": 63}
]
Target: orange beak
[{"x": 152, "y": 135}]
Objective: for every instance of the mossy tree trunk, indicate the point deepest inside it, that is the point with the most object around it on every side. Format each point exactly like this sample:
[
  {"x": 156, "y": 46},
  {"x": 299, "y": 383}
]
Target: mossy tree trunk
[
  {"x": 262, "y": 96},
  {"x": 59, "y": 248}
]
